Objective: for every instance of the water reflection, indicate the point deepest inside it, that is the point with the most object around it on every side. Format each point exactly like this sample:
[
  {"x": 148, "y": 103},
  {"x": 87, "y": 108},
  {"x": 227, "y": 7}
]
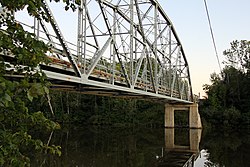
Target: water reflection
[
  {"x": 226, "y": 148},
  {"x": 181, "y": 147},
  {"x": 123, "y": 147}
]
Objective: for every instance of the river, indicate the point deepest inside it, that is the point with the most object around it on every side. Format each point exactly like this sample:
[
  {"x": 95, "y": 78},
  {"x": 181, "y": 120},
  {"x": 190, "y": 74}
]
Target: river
[{"x": 95, "y": 146}]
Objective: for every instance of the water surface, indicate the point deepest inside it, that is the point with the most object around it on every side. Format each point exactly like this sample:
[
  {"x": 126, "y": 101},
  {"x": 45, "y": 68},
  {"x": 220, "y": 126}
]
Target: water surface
[{"x": 145, "y": 147}]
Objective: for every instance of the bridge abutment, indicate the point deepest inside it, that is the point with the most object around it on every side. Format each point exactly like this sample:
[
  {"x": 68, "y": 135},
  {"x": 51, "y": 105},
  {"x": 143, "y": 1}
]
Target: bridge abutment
[{"x": 194, "y": 116}]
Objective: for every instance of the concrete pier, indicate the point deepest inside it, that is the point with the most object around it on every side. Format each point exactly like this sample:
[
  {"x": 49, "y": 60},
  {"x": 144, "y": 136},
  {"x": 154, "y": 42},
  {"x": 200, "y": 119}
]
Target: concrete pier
[{"x": 194, "y": 116}]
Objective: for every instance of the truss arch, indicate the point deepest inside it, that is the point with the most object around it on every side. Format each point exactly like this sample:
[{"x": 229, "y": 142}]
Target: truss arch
[{"x": 127, "y": 43}]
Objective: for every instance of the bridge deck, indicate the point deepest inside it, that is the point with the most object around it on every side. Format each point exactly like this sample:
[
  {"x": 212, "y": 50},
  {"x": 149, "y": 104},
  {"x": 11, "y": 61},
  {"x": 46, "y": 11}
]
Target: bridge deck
[
  {"x": 98, "y": 83},
  {"x": 61, "y": 75}
]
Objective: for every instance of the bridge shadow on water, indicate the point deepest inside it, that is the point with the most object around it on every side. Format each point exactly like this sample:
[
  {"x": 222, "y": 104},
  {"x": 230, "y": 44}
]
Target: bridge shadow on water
[{"x": 121, "y": 146}]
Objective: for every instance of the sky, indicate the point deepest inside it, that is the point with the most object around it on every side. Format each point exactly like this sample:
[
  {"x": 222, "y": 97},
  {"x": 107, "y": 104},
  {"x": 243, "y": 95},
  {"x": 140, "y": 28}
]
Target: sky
[{"x": 230, "y": 21}]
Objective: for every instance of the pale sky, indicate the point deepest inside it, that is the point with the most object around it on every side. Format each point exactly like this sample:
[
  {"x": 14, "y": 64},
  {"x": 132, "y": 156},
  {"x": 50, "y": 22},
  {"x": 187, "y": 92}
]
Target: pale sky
[{"x": 230, "y": 21}]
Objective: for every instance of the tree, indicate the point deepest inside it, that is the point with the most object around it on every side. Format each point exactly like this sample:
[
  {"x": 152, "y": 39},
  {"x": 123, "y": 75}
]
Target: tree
[
  {"x": 238, "y": 56},
  {"x": 228, "y": 95},
  {"x": 16, "y": 120}
]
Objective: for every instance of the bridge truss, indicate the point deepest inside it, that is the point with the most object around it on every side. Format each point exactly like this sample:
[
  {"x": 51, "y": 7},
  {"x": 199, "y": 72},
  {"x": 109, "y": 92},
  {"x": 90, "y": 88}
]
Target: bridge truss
[{"x": 123, "y": 47}]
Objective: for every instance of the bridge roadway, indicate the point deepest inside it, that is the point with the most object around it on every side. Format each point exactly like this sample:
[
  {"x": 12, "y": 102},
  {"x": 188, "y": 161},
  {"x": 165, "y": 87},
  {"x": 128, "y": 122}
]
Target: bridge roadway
[{"x": 61, "y": 75}]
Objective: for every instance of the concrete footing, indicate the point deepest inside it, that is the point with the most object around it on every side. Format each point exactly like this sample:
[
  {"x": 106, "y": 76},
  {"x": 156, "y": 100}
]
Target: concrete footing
[{"x": 194, "y": 116}]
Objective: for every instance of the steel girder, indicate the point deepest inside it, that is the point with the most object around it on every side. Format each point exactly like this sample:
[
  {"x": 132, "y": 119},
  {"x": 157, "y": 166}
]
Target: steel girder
[{"x": 131, "y": 44}]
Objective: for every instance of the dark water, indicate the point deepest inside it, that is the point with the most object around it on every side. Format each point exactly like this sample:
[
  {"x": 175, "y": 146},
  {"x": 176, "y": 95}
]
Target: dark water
[
  {"x": 146, "y": 147},
  {"x": 228, "y": 149}
]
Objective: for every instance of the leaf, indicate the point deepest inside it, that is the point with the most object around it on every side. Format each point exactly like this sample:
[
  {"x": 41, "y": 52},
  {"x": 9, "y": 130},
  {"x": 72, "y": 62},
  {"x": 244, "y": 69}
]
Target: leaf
[
  {"x": 7, "y": 97},
  {"x": 1, "y": 117},
  {"x": 35, "y": 91},
  {"x": 29, "y": 95},
  {"x": 66, "y": 8},
  {"x": 2, "y": 85},
  {"x": 46, "y": 90}
]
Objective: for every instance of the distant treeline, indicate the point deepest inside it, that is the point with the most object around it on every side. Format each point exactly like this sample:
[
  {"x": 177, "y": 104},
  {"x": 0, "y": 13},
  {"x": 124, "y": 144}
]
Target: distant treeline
[
  {"x": 73, "y": 107},
  {"x": 228, "y": 96}
]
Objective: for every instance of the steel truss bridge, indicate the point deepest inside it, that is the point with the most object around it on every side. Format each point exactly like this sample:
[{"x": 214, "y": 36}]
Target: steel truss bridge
[{"x": 122, "y": 48}]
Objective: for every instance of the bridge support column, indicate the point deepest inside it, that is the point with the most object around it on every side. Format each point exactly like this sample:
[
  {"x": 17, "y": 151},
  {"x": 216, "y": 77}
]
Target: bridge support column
[{"x": 194, "y": 116}]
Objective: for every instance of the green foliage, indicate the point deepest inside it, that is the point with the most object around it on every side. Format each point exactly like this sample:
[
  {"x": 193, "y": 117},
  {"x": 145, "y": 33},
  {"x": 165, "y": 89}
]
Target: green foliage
[
  {"x": 73, "y": 107},
  {"x": 238, "y": 55},
  {"x": 229, "y": 94},
  {"x": 16, "y": 119}
]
